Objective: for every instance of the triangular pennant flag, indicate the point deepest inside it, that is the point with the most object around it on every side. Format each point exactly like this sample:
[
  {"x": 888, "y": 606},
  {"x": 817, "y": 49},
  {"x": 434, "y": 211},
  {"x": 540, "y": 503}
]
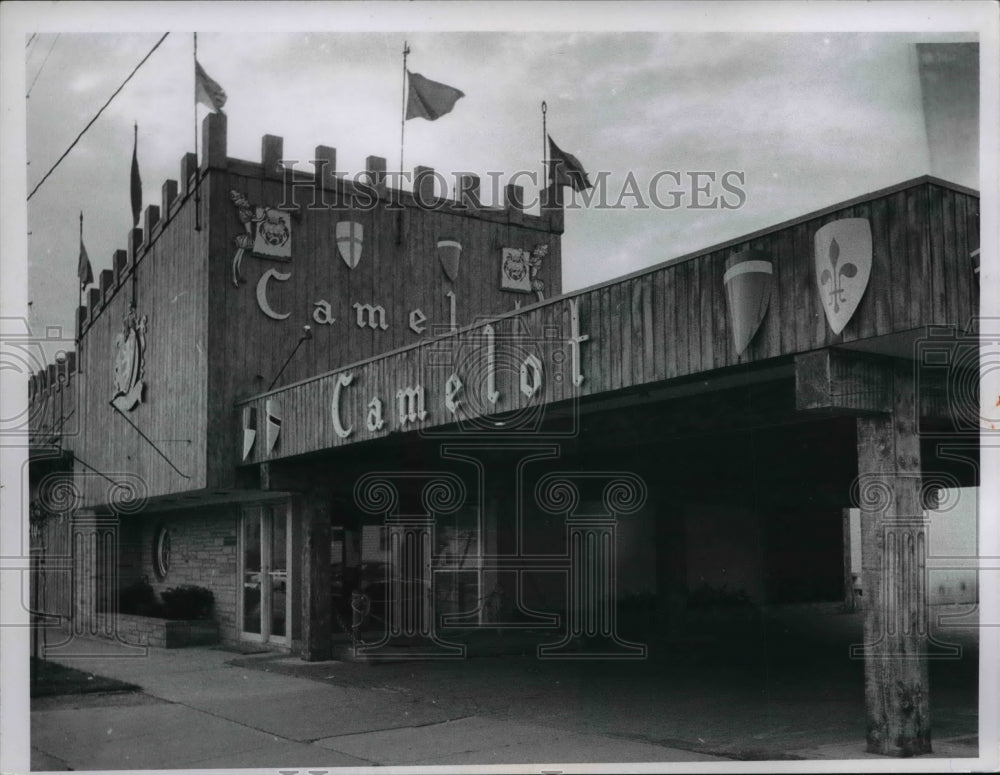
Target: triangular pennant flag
[
  {"x": 207, "y": 91},
  {"x": 136, "y": 181},
  {"x": 565, "y": 169},
  {"x": 429, "y": 99}
]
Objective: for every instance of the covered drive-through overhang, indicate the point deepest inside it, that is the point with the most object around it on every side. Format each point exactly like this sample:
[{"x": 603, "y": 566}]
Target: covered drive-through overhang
[{"x": 642, "y": 381}]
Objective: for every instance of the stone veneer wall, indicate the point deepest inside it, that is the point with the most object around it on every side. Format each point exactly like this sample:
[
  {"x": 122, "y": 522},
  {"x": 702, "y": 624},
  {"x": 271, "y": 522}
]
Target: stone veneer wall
[
  {"x": 203, "y": 552},
  {"x": 162, "y": 633}
]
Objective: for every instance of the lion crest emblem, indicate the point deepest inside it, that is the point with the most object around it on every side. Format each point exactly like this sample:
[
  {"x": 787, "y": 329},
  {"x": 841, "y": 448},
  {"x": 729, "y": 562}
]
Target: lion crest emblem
[{"x": 130, "y": 347}]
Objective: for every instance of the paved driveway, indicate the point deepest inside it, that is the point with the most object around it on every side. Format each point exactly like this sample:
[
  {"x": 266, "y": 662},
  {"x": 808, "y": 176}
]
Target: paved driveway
[{"x": 782, "y": 690}]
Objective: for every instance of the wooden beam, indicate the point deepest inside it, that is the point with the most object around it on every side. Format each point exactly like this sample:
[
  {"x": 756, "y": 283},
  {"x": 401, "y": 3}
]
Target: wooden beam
[
  {"x": 894, "y": 549},
  {"x": 833, "y": 380}
]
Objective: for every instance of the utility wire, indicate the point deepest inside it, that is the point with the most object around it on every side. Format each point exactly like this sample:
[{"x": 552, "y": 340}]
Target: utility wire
[
  {"x": 73, "y": 144},
  {"x": 43, "y": 65},
  {"x": 33, "y": 36}
]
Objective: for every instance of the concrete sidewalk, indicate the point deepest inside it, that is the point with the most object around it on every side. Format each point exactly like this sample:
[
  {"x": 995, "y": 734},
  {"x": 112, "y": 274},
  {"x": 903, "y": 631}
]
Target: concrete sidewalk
[
  {"x": 783, "y": 691},
  {"x": 198, "y": 711}
]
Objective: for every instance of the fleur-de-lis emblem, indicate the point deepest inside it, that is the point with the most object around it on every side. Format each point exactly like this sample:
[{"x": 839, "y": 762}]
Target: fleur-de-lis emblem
[
  {"x": 847, "y": 269},
  {"x": 843, "y": 257}
]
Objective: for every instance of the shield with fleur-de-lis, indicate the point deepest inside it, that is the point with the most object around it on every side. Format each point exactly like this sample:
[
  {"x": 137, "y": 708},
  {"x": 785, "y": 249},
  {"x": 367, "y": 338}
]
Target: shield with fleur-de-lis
[{"x": 843, "y": 266}]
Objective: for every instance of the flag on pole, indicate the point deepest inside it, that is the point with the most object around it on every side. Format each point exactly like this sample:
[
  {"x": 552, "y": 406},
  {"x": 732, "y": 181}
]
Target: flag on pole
[
  {"x": 136, "y": 181},
  {"x": 429, "y": 99},
  {"x": 565, "y": 169},
  {"x": 83, "y": 270},
  {"x": 207, "y": 91}
]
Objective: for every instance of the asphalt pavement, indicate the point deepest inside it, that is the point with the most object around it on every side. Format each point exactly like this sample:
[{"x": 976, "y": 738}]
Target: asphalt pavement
[{"x": 783, "y": 689}]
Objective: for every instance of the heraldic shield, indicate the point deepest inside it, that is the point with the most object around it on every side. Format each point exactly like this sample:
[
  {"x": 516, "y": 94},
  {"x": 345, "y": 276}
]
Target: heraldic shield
[
  {"x": 350, "y": 238},
  {"x": 130, "y": 346},
  {"x": 273, "y": 423},
  {"x": 843, "y": 266},
  {"x": 249, "y": 430},
  {"x": 748, "y": 280},
  {"x": 449, "y": 252}
]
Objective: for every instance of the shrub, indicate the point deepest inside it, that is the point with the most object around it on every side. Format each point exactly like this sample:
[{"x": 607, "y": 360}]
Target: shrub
[
  {"x": 188, "y": 602},
  {"x": 139, "y": 599}
]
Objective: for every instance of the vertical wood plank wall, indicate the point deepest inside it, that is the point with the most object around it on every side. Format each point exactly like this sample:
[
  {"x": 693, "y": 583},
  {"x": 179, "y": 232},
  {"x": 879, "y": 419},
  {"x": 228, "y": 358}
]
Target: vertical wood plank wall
[
  {"x": 399, "y": 270},
  {"x": 171, "y": 290},
  {"x": 921, "y": 275},
  {"x": 209, "y": 346}
]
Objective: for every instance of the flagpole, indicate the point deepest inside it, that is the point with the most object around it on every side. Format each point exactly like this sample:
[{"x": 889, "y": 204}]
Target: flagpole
[
  {"x": 79, "y": 359},
  {"x": 80, "y": 283},
  {"x": 135, "y": 150},
  {"x": 402, "y": 120},
  {"x": 545, "y": 146},
  {"x": 197, "y": 188}
]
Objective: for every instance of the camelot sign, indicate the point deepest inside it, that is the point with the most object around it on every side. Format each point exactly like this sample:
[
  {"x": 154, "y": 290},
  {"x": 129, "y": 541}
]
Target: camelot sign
[{"x": 481, "y": 372}]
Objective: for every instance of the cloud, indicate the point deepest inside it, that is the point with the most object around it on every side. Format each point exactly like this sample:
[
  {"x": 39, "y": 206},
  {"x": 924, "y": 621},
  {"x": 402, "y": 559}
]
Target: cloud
[{"x": 834, "y": 115}]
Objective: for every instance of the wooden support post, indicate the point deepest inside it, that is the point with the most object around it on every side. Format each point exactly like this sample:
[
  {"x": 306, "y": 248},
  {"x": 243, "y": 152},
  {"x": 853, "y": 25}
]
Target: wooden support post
[
  {"x": 849, "y": 602},
  {"x": 313, "y": 518},
  {"x": 894, "y": 549}
]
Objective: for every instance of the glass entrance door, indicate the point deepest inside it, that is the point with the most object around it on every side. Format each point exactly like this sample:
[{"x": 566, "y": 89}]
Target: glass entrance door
[
  {"x": 264, "y": 559},
  {"x": 277, "y": 571}
]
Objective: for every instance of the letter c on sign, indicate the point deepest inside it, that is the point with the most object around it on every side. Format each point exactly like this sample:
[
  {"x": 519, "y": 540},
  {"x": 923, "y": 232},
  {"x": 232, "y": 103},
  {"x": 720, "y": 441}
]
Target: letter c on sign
[
  {"x": 342, "y": 381},
  {"x": 262, "y": 292}
]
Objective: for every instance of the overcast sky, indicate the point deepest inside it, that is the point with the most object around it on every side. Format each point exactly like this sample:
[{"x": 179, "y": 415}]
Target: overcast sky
[{"x": 807, "y": 119}]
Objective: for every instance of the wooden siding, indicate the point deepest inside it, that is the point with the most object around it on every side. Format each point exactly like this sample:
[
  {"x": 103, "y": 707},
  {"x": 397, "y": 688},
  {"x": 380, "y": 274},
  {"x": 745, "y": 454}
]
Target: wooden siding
[
  {"x": 209, "y": 347},
  {"x": 921, "y": 275},
  {"x": 399, "y": 270},
  {"x": 170, "y": 285}
]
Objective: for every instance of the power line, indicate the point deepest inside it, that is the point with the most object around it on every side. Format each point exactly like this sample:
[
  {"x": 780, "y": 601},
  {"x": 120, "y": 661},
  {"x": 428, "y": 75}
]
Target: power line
[
  {"x": 43, "y": 65},
  {"x": 33, "y": 36},
  {"x": 91, "y": 123}
]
